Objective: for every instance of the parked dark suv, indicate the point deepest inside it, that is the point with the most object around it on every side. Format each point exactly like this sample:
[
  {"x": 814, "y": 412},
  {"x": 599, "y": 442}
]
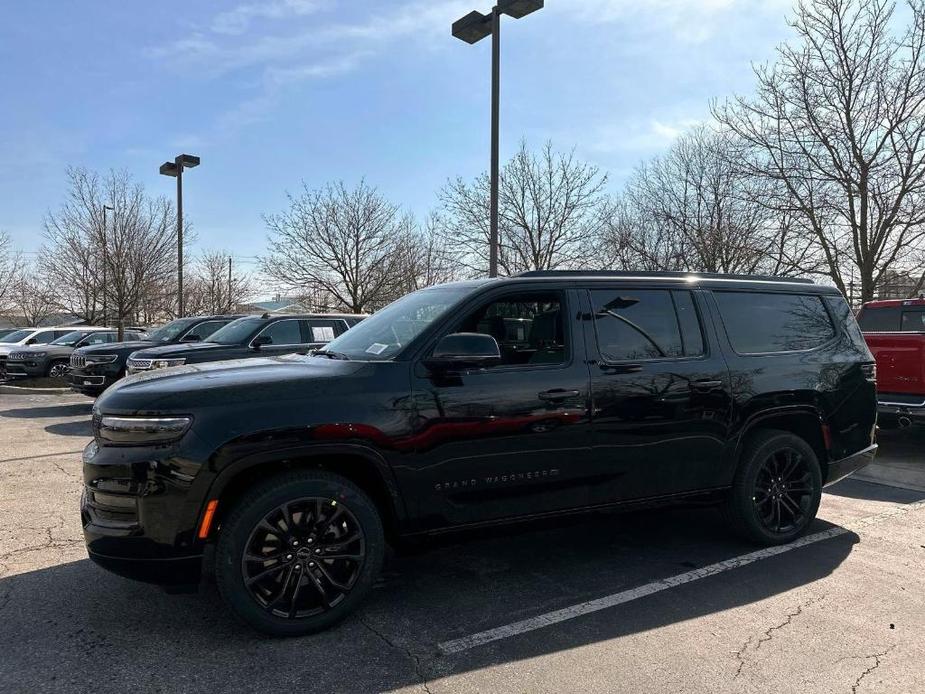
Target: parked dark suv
[
  {"x": 471, "y": 404},
  {"x": 249, "y": 336},
  {"x": 93, "y": 369}
]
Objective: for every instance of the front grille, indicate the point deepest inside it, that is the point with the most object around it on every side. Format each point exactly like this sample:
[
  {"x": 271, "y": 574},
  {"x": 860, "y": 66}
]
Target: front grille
[
  {"x": 78, "y": 361},
  {"x": 139, "y": 364}
]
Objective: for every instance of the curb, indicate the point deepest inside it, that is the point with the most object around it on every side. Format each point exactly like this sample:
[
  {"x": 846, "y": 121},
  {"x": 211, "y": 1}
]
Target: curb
[{"x": 24, "y": 390}]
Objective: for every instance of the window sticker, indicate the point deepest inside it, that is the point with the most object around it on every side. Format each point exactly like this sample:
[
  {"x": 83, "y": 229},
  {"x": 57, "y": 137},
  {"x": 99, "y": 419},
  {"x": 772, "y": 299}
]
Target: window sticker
[
  {"x": 322, "y": 334},
  {"x": 377, "y": 348}
]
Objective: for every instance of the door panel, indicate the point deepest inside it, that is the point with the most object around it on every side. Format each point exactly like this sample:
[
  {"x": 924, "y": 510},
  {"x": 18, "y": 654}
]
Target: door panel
[
  {"x": 512, "y": 439},
  {"x": 660, "y": 390}
]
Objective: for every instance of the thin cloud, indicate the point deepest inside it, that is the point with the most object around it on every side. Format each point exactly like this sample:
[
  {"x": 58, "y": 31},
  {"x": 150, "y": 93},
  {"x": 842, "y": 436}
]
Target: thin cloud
[{"x": 238, "y": 20}]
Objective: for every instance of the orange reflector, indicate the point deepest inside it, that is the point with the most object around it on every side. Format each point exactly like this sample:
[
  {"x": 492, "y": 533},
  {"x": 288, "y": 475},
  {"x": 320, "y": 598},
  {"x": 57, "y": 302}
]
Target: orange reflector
[{"x": 207, "y": 519}]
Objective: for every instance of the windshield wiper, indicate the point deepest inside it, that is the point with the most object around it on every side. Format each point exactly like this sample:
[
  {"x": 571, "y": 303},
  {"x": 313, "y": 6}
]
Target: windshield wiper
[{"x": 331, "y": 355}]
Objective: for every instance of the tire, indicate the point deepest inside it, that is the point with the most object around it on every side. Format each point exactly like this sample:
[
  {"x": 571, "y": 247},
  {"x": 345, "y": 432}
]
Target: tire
[
  {"x": 758, "y": 493},
  {"x": 57, "y": 369},
  {"x": 286, "y": 596}
]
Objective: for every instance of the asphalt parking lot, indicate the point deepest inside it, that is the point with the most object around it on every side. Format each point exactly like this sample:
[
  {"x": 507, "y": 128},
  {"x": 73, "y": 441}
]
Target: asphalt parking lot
[{"x": 645, "y": 602}]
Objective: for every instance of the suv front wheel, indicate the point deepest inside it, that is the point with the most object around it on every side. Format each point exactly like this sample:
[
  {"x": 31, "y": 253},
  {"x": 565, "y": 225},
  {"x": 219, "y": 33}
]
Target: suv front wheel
[
  {"x": 777, "y": 488},
  {"x": 299, "y": 553}
]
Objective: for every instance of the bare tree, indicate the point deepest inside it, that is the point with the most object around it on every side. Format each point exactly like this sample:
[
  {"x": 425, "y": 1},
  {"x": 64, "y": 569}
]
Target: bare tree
[
  {"x": 137, "y": 247},
  {"x": 425, "y": 257},
  {"x": 32, "y": 298},
  {"x": 10, "y": 271},
  {"x": 216, "y": 284},
  {"x": 838, "y": 122},
  {"x": 550, "y": 210},
  {"x": 338, "y": 241},
  {"x": 691, "y": 209}
]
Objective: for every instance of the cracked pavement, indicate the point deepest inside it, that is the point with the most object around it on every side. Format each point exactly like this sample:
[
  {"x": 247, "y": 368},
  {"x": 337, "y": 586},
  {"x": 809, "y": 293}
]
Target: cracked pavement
[{"x": 843, "y": 615}]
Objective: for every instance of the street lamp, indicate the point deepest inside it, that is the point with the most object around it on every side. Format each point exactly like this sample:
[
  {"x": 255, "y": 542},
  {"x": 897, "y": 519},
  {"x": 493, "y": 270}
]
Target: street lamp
[
  {"x": 105, "y": 264},
  {"x": 175, "y": 168},
  {"x": 472, "y": 28}
]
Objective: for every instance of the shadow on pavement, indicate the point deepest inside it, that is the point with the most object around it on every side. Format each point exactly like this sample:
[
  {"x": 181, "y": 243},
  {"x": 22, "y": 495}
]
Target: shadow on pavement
[
  {"x": 75, "y": 627},
  {"x": 862, "y": 489},
  {"x": 79, "y": 428},
  {"x": 69, "y": 410}
]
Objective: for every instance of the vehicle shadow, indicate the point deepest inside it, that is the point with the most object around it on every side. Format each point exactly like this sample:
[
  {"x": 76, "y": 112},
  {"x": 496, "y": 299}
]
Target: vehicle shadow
[
  {"x": 871, "y": 491},
  {"x": 76, "y": 627},
  {"x": 79, "y": 428},
  {"x": 70, "y": 410}
]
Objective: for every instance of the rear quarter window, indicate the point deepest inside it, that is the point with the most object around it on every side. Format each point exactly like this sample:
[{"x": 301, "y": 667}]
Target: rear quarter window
[{"x": 765, "y": 322}]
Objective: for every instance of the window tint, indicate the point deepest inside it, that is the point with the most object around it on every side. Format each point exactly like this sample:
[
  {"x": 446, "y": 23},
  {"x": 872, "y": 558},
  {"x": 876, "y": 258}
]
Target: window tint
[
  {"x": 763, "y": 322},
  {"x": 98, "y": 339},
  {"x": 691, "y": 334},
  {"x": 880, "y": 319},
  {"x": 913, "y": 321},
  {"x": 284, "y": 332},
  {"x": 528, "y": 328},
  {"x": 634, "y": 324},
  {"x": 203, "y": 330}
]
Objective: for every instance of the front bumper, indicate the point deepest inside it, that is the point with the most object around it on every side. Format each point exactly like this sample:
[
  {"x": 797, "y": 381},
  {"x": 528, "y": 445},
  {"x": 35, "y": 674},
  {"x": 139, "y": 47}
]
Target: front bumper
[
  {"x": 25, "y": 369},
  {"x": 139, "y": 510},
  {"x": 84, "y": 381},
  {"x": 840, "y": 469}
]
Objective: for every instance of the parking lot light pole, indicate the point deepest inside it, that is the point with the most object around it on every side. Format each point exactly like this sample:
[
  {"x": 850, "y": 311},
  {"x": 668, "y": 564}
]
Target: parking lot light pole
[
  {"x": 105, "y": 264},
  {"x": 472, "y": 28},
  {"x": 175, "y": 168}
]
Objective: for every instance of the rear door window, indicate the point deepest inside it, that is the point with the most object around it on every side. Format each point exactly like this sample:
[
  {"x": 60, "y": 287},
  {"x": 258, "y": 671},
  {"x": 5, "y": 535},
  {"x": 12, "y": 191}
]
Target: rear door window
[
  {"x": 203, "y": 330},
  {"x": 759, "y": 322},
  {"x": 324, "y": 330},
  {"x": 639, "y": 324}
]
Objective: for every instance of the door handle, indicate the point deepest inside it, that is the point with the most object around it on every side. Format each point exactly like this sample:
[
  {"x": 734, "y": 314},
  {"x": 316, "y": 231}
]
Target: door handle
[
  {"x": 558, "y": 394},
  {"x": 706, "y": 386}
]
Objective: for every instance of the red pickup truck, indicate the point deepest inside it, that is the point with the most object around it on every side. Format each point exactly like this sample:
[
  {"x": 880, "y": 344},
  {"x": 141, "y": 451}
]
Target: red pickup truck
[{"x": 895, "y": 332}]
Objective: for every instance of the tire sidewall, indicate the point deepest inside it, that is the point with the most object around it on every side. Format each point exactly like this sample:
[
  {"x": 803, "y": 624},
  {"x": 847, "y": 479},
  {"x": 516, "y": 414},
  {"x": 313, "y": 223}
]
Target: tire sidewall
[
  {"x": 746, "y": 486},
  {"x": 236, "y": 532}
]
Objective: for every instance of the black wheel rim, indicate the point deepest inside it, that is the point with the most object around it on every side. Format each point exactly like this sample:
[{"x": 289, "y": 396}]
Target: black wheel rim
[
  {"x": 783, "y": 491},
  {"x": 57, "y": 370},
  {"x": 304, "y": 557}
]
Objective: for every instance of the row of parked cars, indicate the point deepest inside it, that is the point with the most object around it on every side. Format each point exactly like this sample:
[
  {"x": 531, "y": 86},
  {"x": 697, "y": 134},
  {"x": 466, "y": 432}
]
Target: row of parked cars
[{"x": 92, "y": 359}]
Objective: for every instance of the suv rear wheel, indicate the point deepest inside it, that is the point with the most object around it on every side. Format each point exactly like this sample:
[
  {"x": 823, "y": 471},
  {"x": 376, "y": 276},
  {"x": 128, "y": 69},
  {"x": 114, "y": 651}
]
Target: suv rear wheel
[
  {"x": 299, "y": 553},
  {"x": 777, "y": 488}
]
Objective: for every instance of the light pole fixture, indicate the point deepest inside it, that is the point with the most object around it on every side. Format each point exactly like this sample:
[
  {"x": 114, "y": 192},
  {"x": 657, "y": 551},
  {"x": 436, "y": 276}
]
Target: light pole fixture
[
  {"x": 105, "y": 264},
  {"x": 175, "y": 168},
  {"x": 472, "y": 28}
]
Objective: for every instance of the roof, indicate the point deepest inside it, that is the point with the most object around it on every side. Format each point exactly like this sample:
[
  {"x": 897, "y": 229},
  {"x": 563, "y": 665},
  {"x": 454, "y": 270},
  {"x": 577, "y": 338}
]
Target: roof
[{"x": 886, "y": 303}]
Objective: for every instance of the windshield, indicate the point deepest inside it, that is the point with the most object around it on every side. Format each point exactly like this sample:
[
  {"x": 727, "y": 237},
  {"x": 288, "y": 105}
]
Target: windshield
[
  {"x": 171, "y": 331},
  {"x": 236, "y": 332},
  {"x": 17, "y": 336},
  {"x": 71, "y": 339},
  {"x": 382, "y": 335}
]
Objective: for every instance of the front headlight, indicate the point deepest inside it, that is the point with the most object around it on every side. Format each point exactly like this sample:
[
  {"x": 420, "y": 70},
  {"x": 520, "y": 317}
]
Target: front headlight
[
  {"x": 140, "y": 431},
  {"x": 101, "y": 358},
  {"x": 164, "y": 363}
]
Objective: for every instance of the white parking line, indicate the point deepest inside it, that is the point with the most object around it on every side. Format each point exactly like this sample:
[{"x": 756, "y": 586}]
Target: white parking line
[{"x": 544, "y": 620}]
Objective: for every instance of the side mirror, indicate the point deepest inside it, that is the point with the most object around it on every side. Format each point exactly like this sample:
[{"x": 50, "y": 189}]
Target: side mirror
[
  {"x": 261, "y": 340},
  {"x": 464, "y": 351},
  {"x": 192, "y": 337}
]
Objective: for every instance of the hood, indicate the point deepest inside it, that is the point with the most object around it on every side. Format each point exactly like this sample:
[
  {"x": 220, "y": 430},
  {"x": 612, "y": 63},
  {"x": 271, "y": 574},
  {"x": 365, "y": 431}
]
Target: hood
[
  {"x": 223, "y": 383},
  {"x": 51, "y": 350},
  {"x": 179, "y": 349},
  {"x": 116, "y": 347}
]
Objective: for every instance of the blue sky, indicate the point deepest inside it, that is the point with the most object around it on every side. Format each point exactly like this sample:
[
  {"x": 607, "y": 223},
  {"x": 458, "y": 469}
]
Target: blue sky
[{"x": 273, "y": 92}]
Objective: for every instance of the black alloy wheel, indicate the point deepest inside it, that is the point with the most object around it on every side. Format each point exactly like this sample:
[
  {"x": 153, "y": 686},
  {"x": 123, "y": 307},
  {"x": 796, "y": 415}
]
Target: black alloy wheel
[
  {"x": 776, "y": 490},
  {"x": 299, "y": 552},
  {"x": 57, "y": 369},
  {"x": 304, "y": 557},
  {"x": 783, "y": 490}
]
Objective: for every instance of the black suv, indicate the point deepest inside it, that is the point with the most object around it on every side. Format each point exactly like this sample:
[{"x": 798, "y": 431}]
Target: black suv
[
  {"x": 93, "y": 369},
  {"x": 477, "y": 403},
  {"x": 250, "y": 336}
]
